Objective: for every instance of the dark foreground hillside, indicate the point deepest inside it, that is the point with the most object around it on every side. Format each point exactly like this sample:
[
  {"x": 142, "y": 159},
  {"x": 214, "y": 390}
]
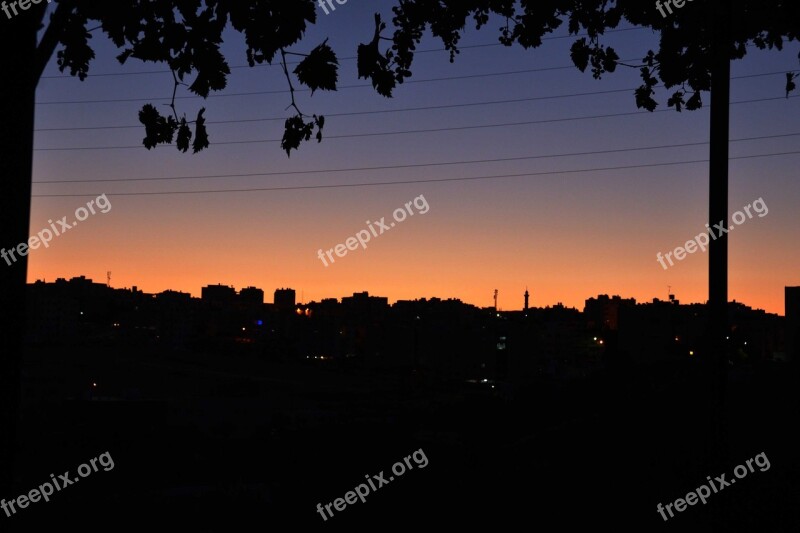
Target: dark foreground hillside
[{"x": 235, "y": 444}]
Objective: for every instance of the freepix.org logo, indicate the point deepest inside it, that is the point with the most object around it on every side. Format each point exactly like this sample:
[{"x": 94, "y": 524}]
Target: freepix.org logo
[
  {"x": 24, "y": 5},
  {"x": 45, "y": 490},
  {"x": 702, "y": 240},
  {"x": 361, "y": 491},
  {"x": 46, "y": 235},
  {"x": 325, "y": 4},
  {"x": 677, "y": 3},
  {"x": 702, "y": 493},
  {"x": 364, "y": 236}
]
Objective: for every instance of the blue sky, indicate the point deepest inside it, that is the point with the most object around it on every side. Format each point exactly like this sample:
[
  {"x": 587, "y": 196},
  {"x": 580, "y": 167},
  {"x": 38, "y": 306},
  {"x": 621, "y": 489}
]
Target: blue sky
[{"x": 566, "y": 235}]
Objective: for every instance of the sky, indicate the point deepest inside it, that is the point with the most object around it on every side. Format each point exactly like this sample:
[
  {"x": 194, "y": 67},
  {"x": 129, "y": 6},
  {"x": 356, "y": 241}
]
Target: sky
[{"x": 567, "y": 227}]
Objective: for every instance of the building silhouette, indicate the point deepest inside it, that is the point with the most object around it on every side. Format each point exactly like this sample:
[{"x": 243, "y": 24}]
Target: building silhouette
[
  {"x": 251, "y": 296},
  {"x": 218, "y": 294},
  {"x": 285, "y": 299},
  {"x": 792, "y": 303}
]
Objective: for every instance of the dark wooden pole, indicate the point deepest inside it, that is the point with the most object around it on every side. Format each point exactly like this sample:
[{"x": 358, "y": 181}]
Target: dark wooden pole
[{"x": 17, "y": 104}]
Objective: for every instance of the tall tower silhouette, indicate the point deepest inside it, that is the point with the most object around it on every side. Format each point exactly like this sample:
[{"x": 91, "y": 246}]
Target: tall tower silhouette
[{"x": 526, "y": 299}]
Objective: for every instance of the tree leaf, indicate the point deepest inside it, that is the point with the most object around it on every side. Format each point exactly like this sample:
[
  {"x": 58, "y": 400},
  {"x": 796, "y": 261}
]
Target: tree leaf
[
  {"x": 212, "y": 72},
  {"x": 676, "y": 101},
  {"x": 184, "y": 136},
  {"x": 296, "y": 130},
  {"x": 319, "y": 70},
  {"x": 158, "y": 129},
  {"x": 644, "y": 98},
  {"x": 610, "y": 60},
  {"x": 200, "y": 133},
  {"x": 580, "y": 54},
  {"x": 320, "y": 122},
  {"x": 695, "y": 102}
]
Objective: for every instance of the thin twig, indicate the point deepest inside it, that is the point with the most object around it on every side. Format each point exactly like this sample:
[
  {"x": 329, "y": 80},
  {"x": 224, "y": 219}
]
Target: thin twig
[
  {"x": 289, "y": 80},
  {"x": 174, "y": 93}
]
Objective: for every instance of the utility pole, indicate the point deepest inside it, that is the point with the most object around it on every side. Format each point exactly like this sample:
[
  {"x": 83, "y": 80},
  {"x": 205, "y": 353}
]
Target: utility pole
[{"x": 717, "y": 357}]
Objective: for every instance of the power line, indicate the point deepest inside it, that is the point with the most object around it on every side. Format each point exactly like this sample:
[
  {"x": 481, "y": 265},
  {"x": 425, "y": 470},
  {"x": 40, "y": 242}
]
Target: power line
[
  {"x": 374, "y": 134},
  {"x": 407, "y": 182},
  {"x": 400, "y": 110},
  {"x": 347, "y": 58},
  {"x": 341, "y": 87},
  {"x": 417, "y": 165},
  {"x": 282, "y": 91},
  {"x": 405, "y": 132},
  {"x": 356, "y": 113}
]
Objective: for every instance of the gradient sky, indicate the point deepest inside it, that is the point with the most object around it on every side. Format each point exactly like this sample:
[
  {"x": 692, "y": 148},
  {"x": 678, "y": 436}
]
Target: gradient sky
[{"x": 566, "y": 236}]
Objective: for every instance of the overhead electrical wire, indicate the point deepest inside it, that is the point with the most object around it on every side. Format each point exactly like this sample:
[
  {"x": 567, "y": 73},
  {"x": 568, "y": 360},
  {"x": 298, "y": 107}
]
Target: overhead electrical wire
[
  {"x": 341, "y": 87},
  {"x": 346, "y": 58},
  {"x": 417, "y": 165},
  {"x": 406, "y": 182},
  {"x": 400, "y": 110},
  {"x": 405, "y": 132}
]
